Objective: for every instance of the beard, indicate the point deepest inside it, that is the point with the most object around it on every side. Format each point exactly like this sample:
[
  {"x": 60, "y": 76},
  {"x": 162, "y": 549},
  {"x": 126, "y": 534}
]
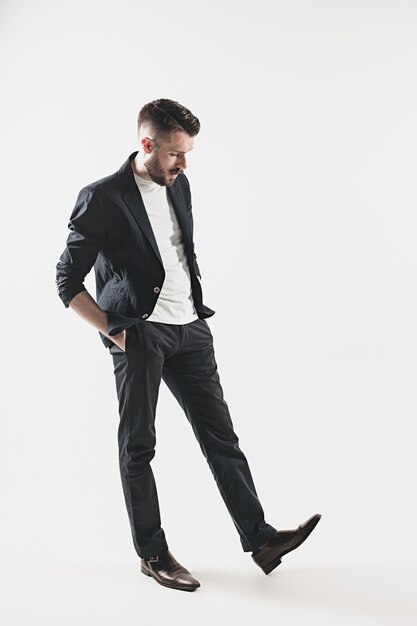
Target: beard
[{"x": 157, "y": 173}]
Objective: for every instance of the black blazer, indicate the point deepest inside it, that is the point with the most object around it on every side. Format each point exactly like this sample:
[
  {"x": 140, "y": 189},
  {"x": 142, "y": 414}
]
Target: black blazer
[{"x": 110, "y": 229}]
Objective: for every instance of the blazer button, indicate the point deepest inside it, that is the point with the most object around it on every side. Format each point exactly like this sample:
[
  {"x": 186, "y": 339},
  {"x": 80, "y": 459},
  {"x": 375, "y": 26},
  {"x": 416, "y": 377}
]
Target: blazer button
[
  {"x": 156, "y": 289},
  {"x": 145, "y": 315}
]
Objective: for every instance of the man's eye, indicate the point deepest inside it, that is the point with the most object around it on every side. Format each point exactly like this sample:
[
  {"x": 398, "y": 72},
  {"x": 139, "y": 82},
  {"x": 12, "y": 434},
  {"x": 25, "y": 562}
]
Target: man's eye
[{"x": 174, "y": 153}]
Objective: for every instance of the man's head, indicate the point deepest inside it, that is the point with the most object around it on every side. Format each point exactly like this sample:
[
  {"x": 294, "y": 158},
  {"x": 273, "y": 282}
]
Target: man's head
[{"x": 165, "y": 132}]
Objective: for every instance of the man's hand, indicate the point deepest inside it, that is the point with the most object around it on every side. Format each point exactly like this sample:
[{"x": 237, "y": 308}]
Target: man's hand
[
  {"x": 120, "y": 340},
  {"x": 87, "y": 308}
]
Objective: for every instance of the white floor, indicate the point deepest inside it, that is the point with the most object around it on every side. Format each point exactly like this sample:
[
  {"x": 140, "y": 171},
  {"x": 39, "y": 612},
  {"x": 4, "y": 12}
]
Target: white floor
[{"x": 230, "y": 594}]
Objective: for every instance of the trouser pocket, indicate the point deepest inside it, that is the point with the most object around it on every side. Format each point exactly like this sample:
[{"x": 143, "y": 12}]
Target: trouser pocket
[{"x": 129, "y": 338}]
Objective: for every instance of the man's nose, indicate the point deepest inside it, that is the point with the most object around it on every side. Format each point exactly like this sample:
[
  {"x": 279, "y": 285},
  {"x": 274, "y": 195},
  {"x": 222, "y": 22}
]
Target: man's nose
[{"x": 182, "y": 161}]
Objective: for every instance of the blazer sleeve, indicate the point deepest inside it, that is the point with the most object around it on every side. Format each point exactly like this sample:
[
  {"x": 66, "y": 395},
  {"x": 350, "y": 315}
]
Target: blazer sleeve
[{"x": 87, "y": 237}]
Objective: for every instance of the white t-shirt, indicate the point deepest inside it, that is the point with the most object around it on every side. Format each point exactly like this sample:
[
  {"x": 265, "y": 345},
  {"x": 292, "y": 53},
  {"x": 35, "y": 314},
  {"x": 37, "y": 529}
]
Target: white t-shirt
[{"x": 175, "y": 303}]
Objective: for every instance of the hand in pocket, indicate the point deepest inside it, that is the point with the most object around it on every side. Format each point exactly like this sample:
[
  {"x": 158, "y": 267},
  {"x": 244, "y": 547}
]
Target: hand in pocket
[{"x": 120, "y": 340}]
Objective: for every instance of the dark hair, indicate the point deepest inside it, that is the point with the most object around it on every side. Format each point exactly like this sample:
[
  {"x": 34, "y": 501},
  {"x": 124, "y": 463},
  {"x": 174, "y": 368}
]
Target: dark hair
[{"x": 165, "y": 116}]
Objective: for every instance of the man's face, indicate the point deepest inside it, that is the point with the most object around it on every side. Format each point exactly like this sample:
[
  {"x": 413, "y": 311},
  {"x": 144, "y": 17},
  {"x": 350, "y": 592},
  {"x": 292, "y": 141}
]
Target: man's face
[{"x": 167, "y": 159}]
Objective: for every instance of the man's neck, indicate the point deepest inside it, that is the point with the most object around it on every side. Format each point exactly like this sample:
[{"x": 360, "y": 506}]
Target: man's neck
[{"x": 139, "y": 168}]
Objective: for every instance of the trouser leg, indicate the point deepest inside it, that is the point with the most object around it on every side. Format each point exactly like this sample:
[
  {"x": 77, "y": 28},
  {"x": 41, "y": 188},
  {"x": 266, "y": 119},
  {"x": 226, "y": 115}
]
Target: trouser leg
[
  {"x": 191, "y": 375},
  {"x": 138, "y": 375}
]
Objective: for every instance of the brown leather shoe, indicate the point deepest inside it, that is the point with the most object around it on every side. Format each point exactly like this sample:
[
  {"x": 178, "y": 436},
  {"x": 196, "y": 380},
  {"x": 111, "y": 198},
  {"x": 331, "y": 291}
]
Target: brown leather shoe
[
  {"x": 168, "y": 572},
  {"x": 269, "y": 555}
]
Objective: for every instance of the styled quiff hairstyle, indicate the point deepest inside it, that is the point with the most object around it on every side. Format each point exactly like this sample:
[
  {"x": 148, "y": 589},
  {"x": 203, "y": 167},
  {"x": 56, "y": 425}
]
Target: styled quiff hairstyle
[{"x": 164, "y": 116}]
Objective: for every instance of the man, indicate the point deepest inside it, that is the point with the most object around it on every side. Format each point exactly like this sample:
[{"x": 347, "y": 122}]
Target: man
[{"x": 136, "y": 228}]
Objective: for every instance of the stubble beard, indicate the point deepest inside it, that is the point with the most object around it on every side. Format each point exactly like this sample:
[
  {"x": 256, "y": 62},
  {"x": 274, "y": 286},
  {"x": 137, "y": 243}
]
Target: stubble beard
[{"x": 156, "y": 173}]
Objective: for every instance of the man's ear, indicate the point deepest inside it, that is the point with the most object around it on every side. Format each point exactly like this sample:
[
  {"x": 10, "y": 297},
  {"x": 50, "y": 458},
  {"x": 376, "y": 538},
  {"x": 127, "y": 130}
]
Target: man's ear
[{"x": 147, "y": 144}]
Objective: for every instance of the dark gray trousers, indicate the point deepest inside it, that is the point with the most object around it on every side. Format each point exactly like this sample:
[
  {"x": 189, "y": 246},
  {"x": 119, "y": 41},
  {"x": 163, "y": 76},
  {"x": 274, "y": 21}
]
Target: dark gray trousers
[{"x": 183, "y": 356}]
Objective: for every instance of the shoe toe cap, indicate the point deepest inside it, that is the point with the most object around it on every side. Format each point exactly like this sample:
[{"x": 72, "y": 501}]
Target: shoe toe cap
[
  {"x": 187, "y": 579},
  {"x": 311, "y": 522}
]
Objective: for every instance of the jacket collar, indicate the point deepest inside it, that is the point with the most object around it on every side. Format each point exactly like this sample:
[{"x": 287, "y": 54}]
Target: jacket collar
[{"x": 134, "y": 201}]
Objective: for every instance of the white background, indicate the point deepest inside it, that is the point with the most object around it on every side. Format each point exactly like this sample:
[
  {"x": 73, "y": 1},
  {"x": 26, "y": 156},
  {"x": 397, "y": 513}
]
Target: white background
[{"x": 303, "y": 183}]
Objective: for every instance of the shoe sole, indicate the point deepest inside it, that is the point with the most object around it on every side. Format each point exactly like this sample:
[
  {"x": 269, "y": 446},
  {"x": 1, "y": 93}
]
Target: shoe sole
[
  {"x": 173, "y": 586},
  {"x": 267, "y": 569}
]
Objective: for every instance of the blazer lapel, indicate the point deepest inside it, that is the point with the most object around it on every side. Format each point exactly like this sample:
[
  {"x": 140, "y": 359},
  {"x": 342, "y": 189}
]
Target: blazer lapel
[
  {"x": 134, "y": 201},
  {"x": 180, "y": 208}
]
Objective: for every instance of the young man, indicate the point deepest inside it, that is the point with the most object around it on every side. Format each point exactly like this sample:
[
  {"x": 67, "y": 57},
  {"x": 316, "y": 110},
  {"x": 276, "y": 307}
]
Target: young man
[{"x": 136, "y": 228}]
